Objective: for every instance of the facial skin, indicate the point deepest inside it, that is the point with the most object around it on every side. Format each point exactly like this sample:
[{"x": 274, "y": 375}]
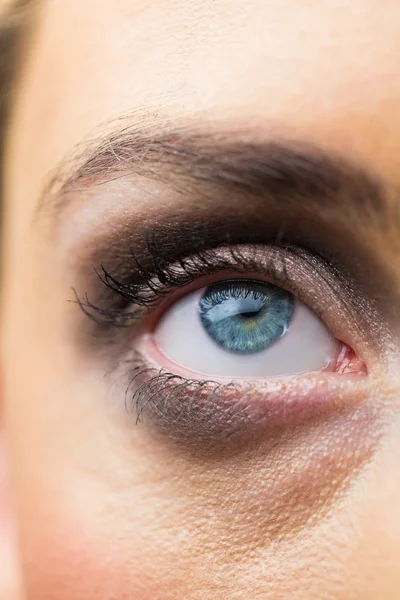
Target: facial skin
[{"x": 304, "y": 503}]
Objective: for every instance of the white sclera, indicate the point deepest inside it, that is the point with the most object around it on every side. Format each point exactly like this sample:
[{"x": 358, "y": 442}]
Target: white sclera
[{"x": 306, "y": 346}]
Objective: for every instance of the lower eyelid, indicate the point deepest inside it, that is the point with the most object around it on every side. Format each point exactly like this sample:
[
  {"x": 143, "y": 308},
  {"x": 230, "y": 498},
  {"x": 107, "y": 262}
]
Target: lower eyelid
[{"x": 209, "y": 412}]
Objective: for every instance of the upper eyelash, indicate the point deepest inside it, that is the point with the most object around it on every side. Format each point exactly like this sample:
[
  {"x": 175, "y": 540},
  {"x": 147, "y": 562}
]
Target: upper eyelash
[
  {"x": 143, "y": 291},
  {"x": 158, "y": 282}
]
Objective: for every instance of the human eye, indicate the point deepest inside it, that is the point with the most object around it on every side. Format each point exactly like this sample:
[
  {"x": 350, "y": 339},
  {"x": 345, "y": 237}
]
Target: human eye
[
  {"x": 244, "y": 328},
  {"x": 247, "y": 327}
]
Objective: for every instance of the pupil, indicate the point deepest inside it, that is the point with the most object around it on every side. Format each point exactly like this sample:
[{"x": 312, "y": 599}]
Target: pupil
[{"x": 249, "y": 315}]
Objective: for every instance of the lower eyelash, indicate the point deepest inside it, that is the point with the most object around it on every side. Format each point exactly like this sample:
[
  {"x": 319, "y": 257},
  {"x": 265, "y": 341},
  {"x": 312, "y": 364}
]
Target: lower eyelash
[
  {"x": 207, "y": 409},
  {"x": 205, "y": 413},
  {"x": 199, "y": 412},
  {"x": 156, "y": 386}
]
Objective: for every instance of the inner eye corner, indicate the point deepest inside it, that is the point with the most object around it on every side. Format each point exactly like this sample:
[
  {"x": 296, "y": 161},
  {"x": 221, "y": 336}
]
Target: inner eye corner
[{"x": 349, "y": 362}]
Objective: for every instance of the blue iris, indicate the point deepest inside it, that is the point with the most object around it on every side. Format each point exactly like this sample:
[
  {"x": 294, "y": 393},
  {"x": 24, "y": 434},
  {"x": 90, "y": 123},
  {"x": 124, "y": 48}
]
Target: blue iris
[{"x": 245, "y": 316}]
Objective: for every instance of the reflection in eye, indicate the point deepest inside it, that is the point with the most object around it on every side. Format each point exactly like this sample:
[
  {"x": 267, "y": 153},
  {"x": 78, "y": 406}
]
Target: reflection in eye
[{"x": 244, "y": 328}]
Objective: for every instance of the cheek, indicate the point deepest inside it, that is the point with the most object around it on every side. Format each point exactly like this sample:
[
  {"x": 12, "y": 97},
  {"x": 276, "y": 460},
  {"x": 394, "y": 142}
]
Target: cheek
[
  {"x": 73, "y": 555},
  {"x": 125, "y": 533},
  {"x": 109, "y": 513},
  {"x": 85, "y": 509}
]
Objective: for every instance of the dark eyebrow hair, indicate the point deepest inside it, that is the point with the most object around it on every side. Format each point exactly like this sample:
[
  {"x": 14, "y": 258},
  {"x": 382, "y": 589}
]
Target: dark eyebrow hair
[{"x": 285, "y": 171}]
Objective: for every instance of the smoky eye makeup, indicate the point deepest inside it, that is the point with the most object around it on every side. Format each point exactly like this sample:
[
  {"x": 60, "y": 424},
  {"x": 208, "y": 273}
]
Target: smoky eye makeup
[
  {"x": 230, "y": 303},
  {"x": 229, "y": 342},
  {"x": 226, "y": 291}
]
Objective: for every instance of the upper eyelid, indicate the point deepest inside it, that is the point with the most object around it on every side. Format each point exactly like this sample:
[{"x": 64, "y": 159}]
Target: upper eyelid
[
  {"x": 156, "y": 283},
  {"x": 182, "y": 223},
  {"x": 287, "y": 266}
]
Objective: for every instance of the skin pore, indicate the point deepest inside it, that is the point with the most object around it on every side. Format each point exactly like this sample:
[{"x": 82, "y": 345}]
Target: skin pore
[{"x": 143, "y": 133}]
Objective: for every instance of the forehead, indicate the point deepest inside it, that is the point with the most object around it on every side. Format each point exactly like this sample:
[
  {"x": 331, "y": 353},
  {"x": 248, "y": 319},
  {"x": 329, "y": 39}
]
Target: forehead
[{"x": 323, "y": 72}]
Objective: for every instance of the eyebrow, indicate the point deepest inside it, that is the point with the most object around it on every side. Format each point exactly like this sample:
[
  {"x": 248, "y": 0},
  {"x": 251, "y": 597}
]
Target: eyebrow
[{"x": 284, "y": 171}]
